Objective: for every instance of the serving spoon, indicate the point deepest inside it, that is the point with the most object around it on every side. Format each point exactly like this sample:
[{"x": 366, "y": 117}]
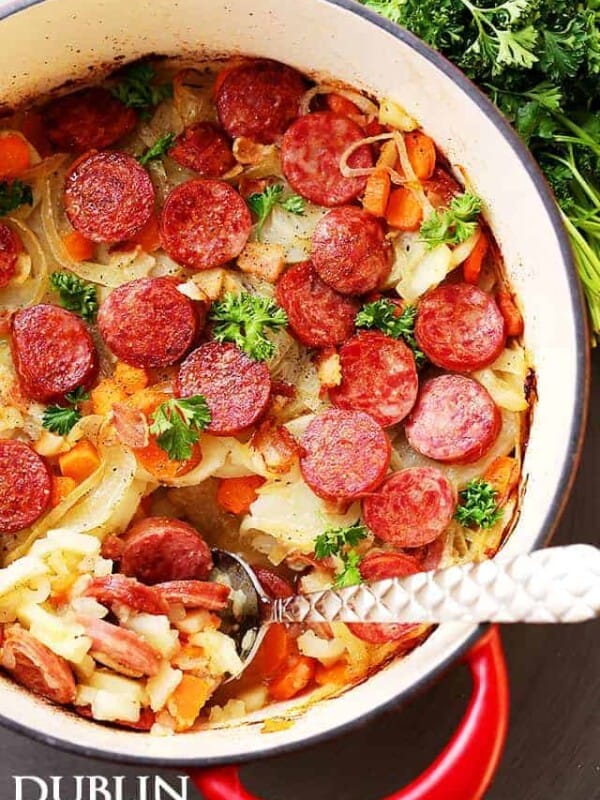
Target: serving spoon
[{"x": 557, "y": 584}]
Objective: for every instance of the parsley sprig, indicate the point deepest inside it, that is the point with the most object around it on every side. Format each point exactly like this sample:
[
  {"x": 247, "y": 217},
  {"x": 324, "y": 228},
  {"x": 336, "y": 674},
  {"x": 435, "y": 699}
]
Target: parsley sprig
[
  {"x": 61, "y": 418},
  {"x": 383, "y": 315},
  {"x": 263, "y": 203},
  {"x": 477, "y": 505},
  {"x": 454, "y": 224},
  {"x": 76, "y": 294},
  {"x": 341, "y": 542},
  {"x": 160, "y": 148},
  {"x": 14, "y": 194},
  {"x": 244, "y": 320},
  {"x": 177, "y": 425},
  {"x": 137, "y": 90}
]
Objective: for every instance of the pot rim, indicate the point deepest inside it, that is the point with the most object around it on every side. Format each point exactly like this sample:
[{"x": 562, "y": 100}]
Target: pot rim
[{"x": 576, "y": 436}]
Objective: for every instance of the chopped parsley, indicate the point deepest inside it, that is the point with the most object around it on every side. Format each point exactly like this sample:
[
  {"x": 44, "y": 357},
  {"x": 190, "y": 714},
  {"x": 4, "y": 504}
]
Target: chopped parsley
[
  {"x": 263, "y": 203},
  {"x": 454, "y": 224},
  {"x": 383, "y": 315},
  {"x": 177, "y": 424},
  {"x": 76, "y": 294},
  {"x": 60, "y": 419},
  {"x": 477, "y": 505},
  {"x": 160, "y": 148},
  {"x": 14, "y": 194},
  {"x": 244, "y": 319},
  {"x": 137, "y": 90},
  {"x": 341, "y": 542}
]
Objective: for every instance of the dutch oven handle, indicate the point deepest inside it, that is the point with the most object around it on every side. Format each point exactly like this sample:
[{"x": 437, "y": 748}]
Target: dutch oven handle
[{"x": 466, "y": 766}]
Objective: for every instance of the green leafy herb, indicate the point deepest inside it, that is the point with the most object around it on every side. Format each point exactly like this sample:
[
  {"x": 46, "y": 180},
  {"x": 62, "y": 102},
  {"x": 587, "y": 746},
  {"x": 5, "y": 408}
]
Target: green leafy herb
[
  {"x": 383, "y": 315},
  {"x": 263, "y": 203},
  {"x": 177, "y": 424},
  {"x": 477, "y": 505},
  {"x": 454, "y": 224},
  {"x": 244, "y": 319},
  {"x": 160, "y": 147},
  {"x": 76, "y": 294},
  {"x": 60, "y": 419},
  {"x": 341, "y": 542},
  {"x": 137, "y": 90},
  {"x": 539, "y": 61},
  {"x": 14, "y": 194}
]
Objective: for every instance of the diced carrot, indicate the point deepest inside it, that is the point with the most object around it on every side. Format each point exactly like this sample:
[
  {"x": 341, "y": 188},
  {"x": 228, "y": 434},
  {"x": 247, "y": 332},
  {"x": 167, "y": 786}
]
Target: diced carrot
[
  {"x": 149, "y": 236},
  {"x": 15, "y": 155},
  {"x": 421, "y": 154},
  {"x": 377, "y": 193},
  {"x": 474, "y": 261},
  {"x": 78, "y": 247},
  {"x": 293, "y": 678},
  {"x": 104, "y": 395},
  {"x": 404, "y": 211},
  {"x": 61, "y": 487},
  {"x": 80, "y": 461},
  {"x": 130, "y": 379},
  {"x": 336, "y": 675},
  {"x": 273, "y": 653},
  {"x": 503, "y": 475},
  {"x": 513, "y": 320},
  {"x": 236, "y": 495},
  {"x": 388, "y": 156},
  {"x": 188, "y": 699},
  {"x": 341, "y": 105},
  {"x": 33, "y": 129}
]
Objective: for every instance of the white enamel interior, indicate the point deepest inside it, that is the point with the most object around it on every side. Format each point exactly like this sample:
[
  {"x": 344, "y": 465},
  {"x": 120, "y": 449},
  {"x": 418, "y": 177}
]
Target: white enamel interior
[{"x": 49, "y": 42}]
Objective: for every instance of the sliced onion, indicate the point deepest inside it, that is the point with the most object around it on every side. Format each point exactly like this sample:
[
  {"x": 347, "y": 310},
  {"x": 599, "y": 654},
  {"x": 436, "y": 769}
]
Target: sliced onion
[
  {"x": 193, "y": 101},
  {"x": 411, "y": 180},
  {"x": 360, "y": 172},
  {"x": 360, "y": 101},
  {"x": 31, "y": 291}
]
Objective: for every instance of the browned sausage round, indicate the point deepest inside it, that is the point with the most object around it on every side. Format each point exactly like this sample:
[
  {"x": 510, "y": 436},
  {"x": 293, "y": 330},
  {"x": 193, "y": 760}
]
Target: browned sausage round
[
  {"x": 350, "y": 251},
  {"x": 346, "y": 454},
  {"x": 259, "y": 99},
  {"x": 11, "y": 248},
  {"x": 378, "y": 565},
  {"x": 454, "y": 420},
  {"x": 108, "y": 196},
  {"x": 204, "y": 224},
  {"x": 382, "y": 632},
  {"x": 411, "y": 508},
  {"x": 86, "y": 120},
  {"x": 36, "y": 667},
  {"x": 311, "y": 151},
  {"x": 318, "y": 316},
  {"x": 160, "y": 549},
  {"x": 236, "y": 388},
  {"x": 459, "y": 327},
  {"x": 53, "y": 352},
  {"x": 379, "y": 377},
  {"x": 204, "y": 148},
  {"x": 25, "y": 485},
  {"x": 149, "y": 322}
]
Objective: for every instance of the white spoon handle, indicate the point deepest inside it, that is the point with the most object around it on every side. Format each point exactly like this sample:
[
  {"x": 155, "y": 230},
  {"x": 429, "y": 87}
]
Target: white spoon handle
[{"x": 558, "y": 584}]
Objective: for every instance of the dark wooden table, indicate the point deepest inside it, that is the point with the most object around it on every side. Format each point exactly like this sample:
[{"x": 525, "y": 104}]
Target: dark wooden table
[{"x": 553, "y": 750}]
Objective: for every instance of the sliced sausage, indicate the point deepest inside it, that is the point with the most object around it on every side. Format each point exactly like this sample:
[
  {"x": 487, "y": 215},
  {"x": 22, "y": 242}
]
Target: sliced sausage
[
  {"x": 25, "y": 485},
  {"x": 204, "y": 148},
  {"x": 379, "y": 565},
  {"x": 195, "y": 594},
  {"x": 11, "y": 248},
  {"x": 379, "y": 376},
  {"x": 236, "y": 387},
  {"x": 149, "y": 322},
  {"x": 127, "y": 592},
  {"x": 160, "y": 549},
  {"x": 53, "y": 352},
  {"x": 460, "y": 327},
  {"x": 350, "y": 251},
  {"x": 441, "y": 188},
  {"x": 121, "y": 650},
  {"x": 382, "y": 632},
  {"x": 454, "y": 420},
  {"x": 411, "y": 508},
  {"x": 311, "y": 151},
  {"x": 204, "y": 224},
  {"x": 86, "y": 120},
  {"x": 318, "y": 315},
  {"x": 273, "y": 584},
  {"x": 259, "y": 100},
  {"x": 347, "y": 454},
  {"x": 36, "y": 667},
  {"x": 108, "y": 196}
]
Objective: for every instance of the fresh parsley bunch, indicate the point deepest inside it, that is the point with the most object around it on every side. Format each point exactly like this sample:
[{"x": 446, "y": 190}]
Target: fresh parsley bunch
[
  {"x": 383, "y": 315},
  {"x": 160, "y": 148},
  {"x": 263, "y": 203},
  {"x": 177, "y": 425},
  {"x": 454, "y": 224},
  {"x": 76, "y": 294},
  {"x": 14, "y": 194},
  {"x": 137, "y": 89},
  {"x": 244, "y": 319},
  {"x": 341, "y": 542},
  {"x": 477, "y": 505},
  {"x": 60, "y": 419}
]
